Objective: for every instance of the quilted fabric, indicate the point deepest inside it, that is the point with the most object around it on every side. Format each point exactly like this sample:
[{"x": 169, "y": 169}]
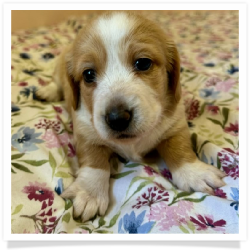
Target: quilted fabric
[{"x": 143, "y": 199}]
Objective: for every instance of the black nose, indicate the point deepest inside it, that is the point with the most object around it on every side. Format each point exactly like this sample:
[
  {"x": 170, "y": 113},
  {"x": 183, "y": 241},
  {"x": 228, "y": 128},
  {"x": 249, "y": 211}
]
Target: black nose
[{"x": 118, "y": 118}]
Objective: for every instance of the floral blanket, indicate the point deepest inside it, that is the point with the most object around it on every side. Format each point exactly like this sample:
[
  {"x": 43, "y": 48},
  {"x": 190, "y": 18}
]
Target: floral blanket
[{"x": 142, "y": 197}]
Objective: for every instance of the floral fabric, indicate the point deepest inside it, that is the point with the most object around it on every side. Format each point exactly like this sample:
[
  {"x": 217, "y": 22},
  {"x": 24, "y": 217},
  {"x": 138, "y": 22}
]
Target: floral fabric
[{"x": 142, "y": 197}]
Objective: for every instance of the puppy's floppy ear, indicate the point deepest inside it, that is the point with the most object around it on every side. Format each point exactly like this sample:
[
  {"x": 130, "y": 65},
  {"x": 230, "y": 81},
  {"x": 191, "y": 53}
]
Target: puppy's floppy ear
[
  {"x": 74, "y": 84},
  {"x": 173, "y": 70}
]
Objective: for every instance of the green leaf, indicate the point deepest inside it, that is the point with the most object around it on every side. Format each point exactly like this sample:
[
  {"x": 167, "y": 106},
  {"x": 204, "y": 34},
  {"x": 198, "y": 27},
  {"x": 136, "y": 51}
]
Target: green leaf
[
  {"x": 215, "y": 121},
  {"x": 230, "y": 141},
  {"x": 120, "y": 175},
  {"x": 66, "y": 217},
  {"x": 235, "y": 95},
  {"x": 203, "y": 144},
  {"x": 182, "y": 194},
  {"x": 191, "y": 226},
  {"x": 17, "y": 156},
  {"x": 140, "y": 187},
  {"x": 17, "y": 124},
  {"x": 196, "y": 200},
  {"x": 36, "y": 106},
  {"x": 64, "y": 165},
  {"x": 194, "y": 142},
  {"x": 62, "y": 174},
  {"x": 225, "y": 112},
  {"x": 12, "y": 171},
  {"x": 136, "y": 178},
  {"x": 228, "y": 100},
  {"x": 60, "y": 151},
  {"x": 52, "y": 163},
  {"x": 103, "y": 232},
  {"x": 15, "y": 114},
  {"x": 205, "y": 130},
  {"x": 133, "y": 165},
  {"x": 17, "y": 209},
  {"x": 113, "y": 220},
  {"x": 68, "y": 204},
  {"x": 218, "y": 163},
  {"x": 202, "y": 108},
  {"x": 101, "y": 222},
  {"x": 217, "y": 136},
  {"x": 35, "y": 163},
  {"x": 21, "y": 167},
  {"x": 47, "y": 112},
  {"x": 86, "y": 228},
  {"x": 183, "y": 229}
]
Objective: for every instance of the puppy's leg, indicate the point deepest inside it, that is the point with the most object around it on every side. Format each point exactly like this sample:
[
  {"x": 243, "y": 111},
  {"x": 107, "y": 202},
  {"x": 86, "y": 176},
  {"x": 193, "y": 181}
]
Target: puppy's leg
[
  {"x": 188, "y": 172},
  {"x": 90, "y": 190}
]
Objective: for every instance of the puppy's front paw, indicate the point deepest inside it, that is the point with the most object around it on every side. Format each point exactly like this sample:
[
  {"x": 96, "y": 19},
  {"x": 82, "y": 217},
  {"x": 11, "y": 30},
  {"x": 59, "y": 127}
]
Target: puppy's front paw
[
  {"x": 89, "y": 193},
  {"x": 198, "y": 176}
]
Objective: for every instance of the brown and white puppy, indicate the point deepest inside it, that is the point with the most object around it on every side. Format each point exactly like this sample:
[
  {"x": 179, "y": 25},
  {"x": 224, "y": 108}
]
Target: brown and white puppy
[{"x": 120, "y": 80}]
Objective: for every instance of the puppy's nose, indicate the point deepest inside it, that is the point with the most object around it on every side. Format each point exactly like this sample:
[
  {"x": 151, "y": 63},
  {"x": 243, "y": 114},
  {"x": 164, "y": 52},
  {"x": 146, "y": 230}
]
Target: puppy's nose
[{"x": 118, "y": 118}]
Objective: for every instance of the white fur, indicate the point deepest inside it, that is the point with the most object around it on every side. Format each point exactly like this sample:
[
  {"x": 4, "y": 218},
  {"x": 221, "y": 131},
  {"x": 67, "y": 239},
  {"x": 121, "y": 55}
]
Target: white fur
[
  {"x": 120, "y": 83},
  {"x": 198, "y": 176},
  {"x": 90, "y": 192}
]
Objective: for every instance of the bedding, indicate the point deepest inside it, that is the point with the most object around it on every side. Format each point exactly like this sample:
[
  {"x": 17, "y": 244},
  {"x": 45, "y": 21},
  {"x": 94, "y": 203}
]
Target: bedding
[{"x": 142, "y": 198}]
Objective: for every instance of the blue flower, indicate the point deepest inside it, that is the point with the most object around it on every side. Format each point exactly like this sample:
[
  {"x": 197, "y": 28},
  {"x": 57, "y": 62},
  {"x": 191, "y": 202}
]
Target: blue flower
[
  {"x": 133, "y": 225},
  {"x": 233, "y": 69},
  {"x": 209, "y": 93},
  {"x": 28, "y": 91},
  {"x": 235, "y": 196},
  {"x": 14, "y": 108},
  {"x": 59, "y": 186},
  {"x": 25, "y": 139}
]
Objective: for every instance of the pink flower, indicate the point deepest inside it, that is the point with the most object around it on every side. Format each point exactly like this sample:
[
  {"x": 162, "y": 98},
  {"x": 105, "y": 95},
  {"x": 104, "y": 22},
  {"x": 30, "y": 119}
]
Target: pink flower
[
  {"x": 226, "y": 85},
  {"x": 191, "y": 108},
  {"x": 212, "y": 81},
  {"x": 233, "y": 129},
  {"x": 150, "y": 171},
  {"x": 213, "y": 109},
  {"x": 207, "y": 221},
  {"x": 48, "y": 124},
  {"x": 54, "y": 140},
  {"x": 71, "y": 150},
  {"x": 166, "y": 173},
  {"x": 229, "y": 163},
  {"x": 22, "y": 84},
  {"x": 225, "y": 56},
  {"x": 58, "y": 109},
  {"x": 42, "y": 82},
  {"x": 80, "y": 231},
  {"x": 220, "y": 193},
  {"x": 38, "y": 191},
  {"x": 169, "y": 216}
]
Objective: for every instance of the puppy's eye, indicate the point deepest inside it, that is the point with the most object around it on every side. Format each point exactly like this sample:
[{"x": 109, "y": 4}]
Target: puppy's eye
[
  {"x": 89, "y": 75},
  {"x": 143, "y": 64}
]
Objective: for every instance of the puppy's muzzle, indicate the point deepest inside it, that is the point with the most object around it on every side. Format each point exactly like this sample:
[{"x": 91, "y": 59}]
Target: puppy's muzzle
[{"x": 118, "y": 118}]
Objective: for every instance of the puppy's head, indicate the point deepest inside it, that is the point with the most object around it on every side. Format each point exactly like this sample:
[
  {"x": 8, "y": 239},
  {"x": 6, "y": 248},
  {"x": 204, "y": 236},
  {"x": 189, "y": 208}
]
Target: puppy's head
[{"x": 126, "y": 72}]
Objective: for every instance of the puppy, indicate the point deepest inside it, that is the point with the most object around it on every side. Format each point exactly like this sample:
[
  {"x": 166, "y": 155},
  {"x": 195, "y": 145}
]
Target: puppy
[{"x": 121, "y": 83}]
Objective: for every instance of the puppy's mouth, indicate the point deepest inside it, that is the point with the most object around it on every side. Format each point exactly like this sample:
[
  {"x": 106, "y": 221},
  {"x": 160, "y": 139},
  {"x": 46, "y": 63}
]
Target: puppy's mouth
[{"x": 125, "y": 136}]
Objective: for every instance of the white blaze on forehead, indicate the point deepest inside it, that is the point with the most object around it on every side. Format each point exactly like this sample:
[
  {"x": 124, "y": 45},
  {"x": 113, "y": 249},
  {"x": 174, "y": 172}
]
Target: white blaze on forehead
[{"x": 112, "y": 30}]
